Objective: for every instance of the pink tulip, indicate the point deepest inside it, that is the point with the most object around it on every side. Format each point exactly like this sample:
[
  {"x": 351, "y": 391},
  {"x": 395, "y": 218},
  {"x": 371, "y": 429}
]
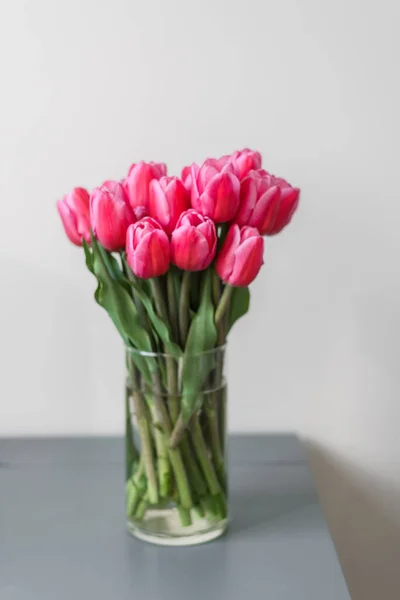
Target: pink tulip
[
  {"x": 186, "y": 176},
  {"x": 244, "y": 161},
  {"x": 215, "y": 190},
  {"x": 266, "y": 202},
  {"x": 241, "y": 256},
  {"x": 167, "y": 201},
  {"x": 74, "y": 212},
  {"x": 193, "y": 242},
  {"x": 110, "y": 215},
  {"x": 137, "y": 185},
  {"x": 147, "y": 248}
]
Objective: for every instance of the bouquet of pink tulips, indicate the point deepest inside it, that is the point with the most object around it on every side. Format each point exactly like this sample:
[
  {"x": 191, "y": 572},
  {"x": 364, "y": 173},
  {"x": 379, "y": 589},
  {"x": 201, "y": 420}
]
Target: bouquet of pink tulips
[{"x": 173, "y": 258}]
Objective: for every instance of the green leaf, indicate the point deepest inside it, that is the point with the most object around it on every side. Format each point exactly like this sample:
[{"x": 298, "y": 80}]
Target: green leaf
[
  {"x": 202, "y": 337},
  {"x": 239, "y": 305},
  {"x": 160, "y": 327},
  {"x": 88, "y": 255},
  {"x": 112, "y": 295}
]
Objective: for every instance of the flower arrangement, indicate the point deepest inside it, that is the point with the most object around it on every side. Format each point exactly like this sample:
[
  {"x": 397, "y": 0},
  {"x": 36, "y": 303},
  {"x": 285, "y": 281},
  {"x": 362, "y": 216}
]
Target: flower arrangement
[{"x": 173, "y": 258}]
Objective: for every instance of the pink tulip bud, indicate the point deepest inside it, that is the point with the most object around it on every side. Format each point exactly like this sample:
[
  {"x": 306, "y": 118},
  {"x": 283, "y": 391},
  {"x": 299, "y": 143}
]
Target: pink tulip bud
[
  {"x": 167, "y": 201},
  {"x": 244, "y": 161},
  {"x": 193, "y": 242},
  {"x": 110, "y": 215},
  {"x": 147, "y": 248},
  {"x": 137, "y": 185},
  {"x": 215, "y": 190},
  {"x": 241, "y": 256},
  {"x": 186, "y": 177},
  {"x": 266, "y": 202},
  {"x": 74, "y": 212}
]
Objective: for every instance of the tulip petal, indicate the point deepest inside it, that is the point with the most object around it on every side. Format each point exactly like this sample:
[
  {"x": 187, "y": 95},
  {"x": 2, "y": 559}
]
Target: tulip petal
[
  {"x": 69, "y": 223},
  {"x": 265, "y": 210},
  {"x": 137, "y": 185},
  {"x": 189, "y": 249},
  {"x": 289, "y": 203},
  {"x": 247, "y": 262},
  {"x": 248, "y": 196},
  {"x": 151, "y": 256},
  {"x": 224, "y": 191},
  {"x": 226, "y": 257},
  {"x": 158, "y": 205}
]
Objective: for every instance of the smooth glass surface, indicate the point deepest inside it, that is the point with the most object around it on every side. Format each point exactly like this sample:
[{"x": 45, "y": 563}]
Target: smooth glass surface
[{"x": 176, "y": 481}]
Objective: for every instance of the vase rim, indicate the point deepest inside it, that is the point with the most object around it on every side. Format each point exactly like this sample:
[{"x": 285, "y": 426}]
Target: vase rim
[{"x": 220, "y": 348}]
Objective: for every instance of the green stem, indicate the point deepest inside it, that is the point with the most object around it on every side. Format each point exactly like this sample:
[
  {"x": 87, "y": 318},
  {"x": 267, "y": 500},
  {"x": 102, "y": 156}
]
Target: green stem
[
  {"x": 131, "y": 452},
  {"x": 134, "y": 489},
  {"x": 202, "y": 455},
  {"x": 141, "y": 509},
  {"x": 184, "y": 515},
  {"x": 223, "y": 304},
  {"x": 172, "y": 304},
  {"x": 158, "y": 296},
  {"x": 177, "y": 433},
  {"x": 147, "y": 451},
  {"x": 184, "y": 308},
  {"x": 216, "y": 287},
  {"x": 217, "y": 454},
  {"x": 175, "y": 457},
  {"x": 142, "y": 314},
  {"x": 163, "y": 467}
]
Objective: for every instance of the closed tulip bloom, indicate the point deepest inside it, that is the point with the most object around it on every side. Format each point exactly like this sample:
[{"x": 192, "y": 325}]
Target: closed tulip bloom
[
  {"x": 168, "y": 199},
  {"x": 74, "y": 212},
  {"x": 244, "y": 161},
  {"x": 241, "y": 256},
  {"x": 266, "y": 202},
  {"x": 186, "y": 176},
  {"x": 193, "y": 242},
  {"x": 137, "y": 185},
  {"x": 110, "y": 215},
  {"x": 147, "y": 248},
  {"x": 215, "y": 190},
  {"x": 289, "y": 201}
]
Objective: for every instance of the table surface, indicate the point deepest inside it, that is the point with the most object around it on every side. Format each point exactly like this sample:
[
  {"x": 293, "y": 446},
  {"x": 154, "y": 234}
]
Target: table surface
[{"x": 62, "y": 529}]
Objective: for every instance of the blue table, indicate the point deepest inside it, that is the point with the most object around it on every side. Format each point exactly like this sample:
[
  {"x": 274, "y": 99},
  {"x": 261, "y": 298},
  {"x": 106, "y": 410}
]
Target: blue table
[{"x": 62, "y": 532}]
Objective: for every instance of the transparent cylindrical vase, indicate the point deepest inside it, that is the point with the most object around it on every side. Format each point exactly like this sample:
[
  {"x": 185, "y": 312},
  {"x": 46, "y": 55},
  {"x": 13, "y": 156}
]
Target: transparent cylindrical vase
[{"x": 176, "y": 477}]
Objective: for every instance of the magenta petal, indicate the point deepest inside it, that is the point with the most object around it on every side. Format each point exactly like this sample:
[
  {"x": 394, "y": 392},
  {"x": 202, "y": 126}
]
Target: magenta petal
[
  {"x": 158, "y": 205},
  {"x": 248, "y": 196},
  {"x": 69, "y": 223},
  {"x": 248, "y": 262},
  {"x": 226, "y": 256},
  {"x": 265, "y": 208},
  {"x": 287, "y": 207},
  {"x": 189, "y": 249}
]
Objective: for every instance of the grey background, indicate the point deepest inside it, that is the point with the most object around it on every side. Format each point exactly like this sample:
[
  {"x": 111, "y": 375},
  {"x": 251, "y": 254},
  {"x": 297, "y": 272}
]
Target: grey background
[{"x": 89, "y": 86}]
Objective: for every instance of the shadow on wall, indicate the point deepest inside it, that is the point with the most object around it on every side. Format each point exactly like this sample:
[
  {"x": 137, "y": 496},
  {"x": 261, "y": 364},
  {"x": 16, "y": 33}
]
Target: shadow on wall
[{"x": 363, "y": 514}]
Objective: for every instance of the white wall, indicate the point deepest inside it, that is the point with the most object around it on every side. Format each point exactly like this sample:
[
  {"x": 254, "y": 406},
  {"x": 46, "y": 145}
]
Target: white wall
[{"x": 89, "y": 86}]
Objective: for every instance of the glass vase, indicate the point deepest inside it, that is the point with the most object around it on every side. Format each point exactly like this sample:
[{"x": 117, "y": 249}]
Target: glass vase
[{"x": 176, "y": 480}]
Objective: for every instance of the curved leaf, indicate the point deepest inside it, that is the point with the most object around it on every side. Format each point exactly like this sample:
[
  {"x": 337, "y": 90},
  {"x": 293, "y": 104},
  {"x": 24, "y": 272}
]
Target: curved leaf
[
  {"x": 202, "y": 337},
  {"x": 239, "y": 304}
]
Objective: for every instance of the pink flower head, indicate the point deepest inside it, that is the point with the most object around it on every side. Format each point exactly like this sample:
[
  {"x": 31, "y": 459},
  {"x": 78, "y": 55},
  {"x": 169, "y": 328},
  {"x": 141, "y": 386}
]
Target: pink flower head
[
  {"x": 167, "y": 200},
  {"x": 193, "y": 242},
  {"x": 110, "y": 215},
  {"x": 147, "y": 248},
  {"x": 244, "y": 161},
  {"x": 266, "y": 202},
  {"x": 241, "y": 256},
  {"x": 186, "y": 177},
  {"x": 137, "y": 185},
  {"x": 74, "y": 212},
  {"x": 215, "y": 190}
]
